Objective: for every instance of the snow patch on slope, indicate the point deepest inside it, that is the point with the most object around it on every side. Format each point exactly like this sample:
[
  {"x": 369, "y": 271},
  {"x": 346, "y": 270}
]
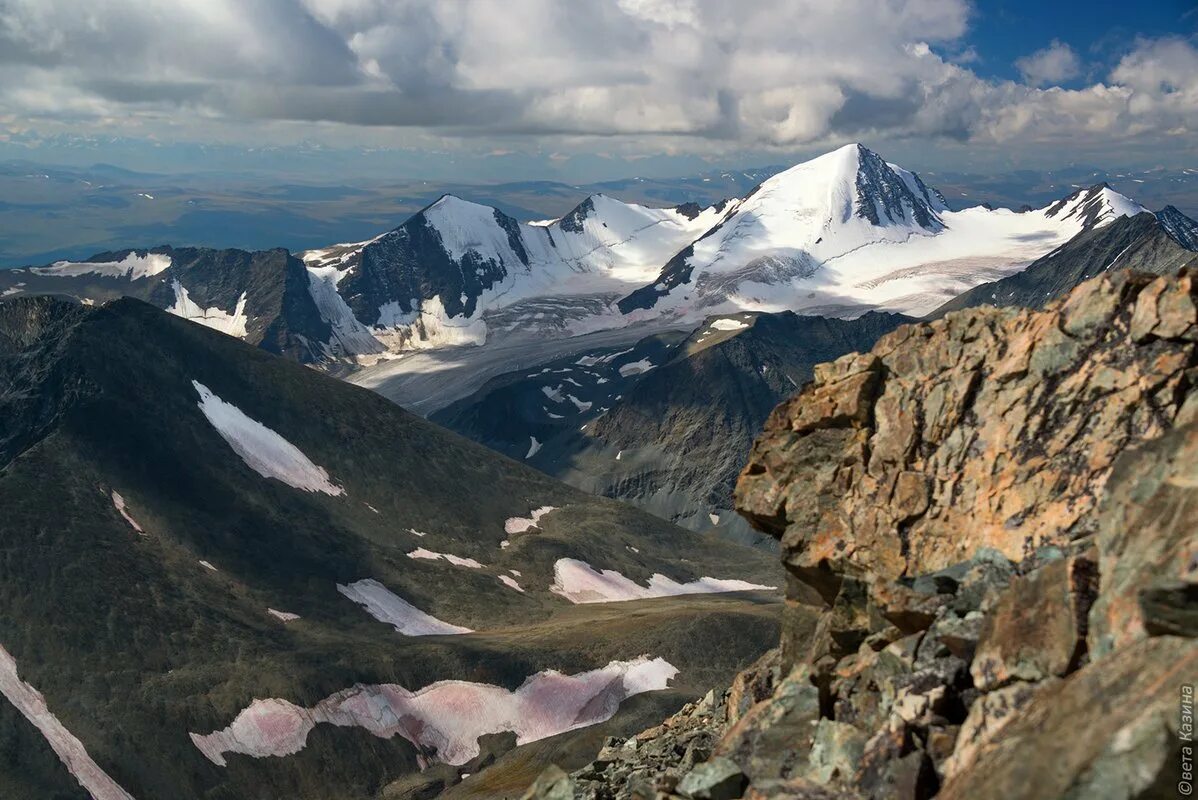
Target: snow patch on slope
[
  {"x": 70, "y": 751},
  {"x": 457, "y": 561},
  {"x": 133, "y": 266},
  {"x": 445, "y": 717},
  {"x": 218, "y": 319},
  {"x": 579, "y": 582},
  {"x": 263, "y": 450},
  {"x": 386, "y": 606},
  {"x": 511, "y": 583},
  {"x": 349, "y": 336},
  {"x": 118, "y": 503},
  {"x": 522, "y": 524}
]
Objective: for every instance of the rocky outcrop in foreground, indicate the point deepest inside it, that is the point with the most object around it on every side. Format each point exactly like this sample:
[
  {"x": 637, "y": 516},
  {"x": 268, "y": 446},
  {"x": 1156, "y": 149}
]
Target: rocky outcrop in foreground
[{"x": 991, "y": 527}]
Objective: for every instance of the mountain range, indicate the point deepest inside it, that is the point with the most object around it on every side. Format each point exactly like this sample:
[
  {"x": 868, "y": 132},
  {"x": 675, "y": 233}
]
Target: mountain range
[
  {"x": 634, "y": 351},
  {"x": 836, "y": 236}
]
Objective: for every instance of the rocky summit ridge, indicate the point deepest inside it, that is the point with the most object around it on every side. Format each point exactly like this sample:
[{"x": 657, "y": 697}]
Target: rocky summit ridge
[{"x": 990, "y": 523}]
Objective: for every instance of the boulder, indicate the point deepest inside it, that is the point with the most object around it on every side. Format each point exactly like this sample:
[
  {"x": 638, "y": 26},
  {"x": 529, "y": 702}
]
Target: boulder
[
  {"x": 1037, "y": 629},
  {"x": 1148, "y": 544},
  {"x": 716, "y": 779},
  {"x": 1108, "y": 731}
]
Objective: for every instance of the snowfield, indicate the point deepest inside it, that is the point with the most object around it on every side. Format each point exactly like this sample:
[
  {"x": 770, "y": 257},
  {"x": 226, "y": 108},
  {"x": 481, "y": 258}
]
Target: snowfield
[
  {"x": 579, "y": 582},
  {"x": 386, "y": 606},
  {"x": 446, "y": 717},
  {"x": 133, "y": 266},
  {"x": 70, "y": 751},
  {"x": 829, "y": 236},
  {"x": 263, "y": 450}
]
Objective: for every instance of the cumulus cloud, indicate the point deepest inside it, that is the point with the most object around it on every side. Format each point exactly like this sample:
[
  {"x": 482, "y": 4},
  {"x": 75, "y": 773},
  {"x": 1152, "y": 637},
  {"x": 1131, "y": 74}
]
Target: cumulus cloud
[
  {"x": 783, "y": 73},
  {"x": 1054, "y": 64}
]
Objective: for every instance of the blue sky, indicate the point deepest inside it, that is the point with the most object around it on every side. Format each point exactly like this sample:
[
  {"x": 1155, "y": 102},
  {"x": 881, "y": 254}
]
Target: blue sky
[
  {"x": 524, "y": 89},
  {"x": 1003, "y": 31}
]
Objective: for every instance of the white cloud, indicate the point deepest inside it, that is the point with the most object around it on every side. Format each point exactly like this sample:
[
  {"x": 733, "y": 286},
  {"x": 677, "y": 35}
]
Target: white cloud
[
  {"x": 1054, "y": 64},
  {"x": 697, "y": 75}
]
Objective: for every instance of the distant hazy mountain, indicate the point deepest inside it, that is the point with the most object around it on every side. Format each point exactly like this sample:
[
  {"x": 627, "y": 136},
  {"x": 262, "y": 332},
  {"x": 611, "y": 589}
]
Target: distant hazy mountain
[
  {"x": 227, "y": 574},
  {"x": 1161, "y": 244}
]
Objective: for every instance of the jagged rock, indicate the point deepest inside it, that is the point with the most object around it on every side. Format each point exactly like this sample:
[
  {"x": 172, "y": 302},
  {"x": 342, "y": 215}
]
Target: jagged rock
[
  {"x": 1012, "y": 418},
  {"x": 909, "y": 609},
  {"x": 986, "y": 719},
  {"x": 1038, "y": 628},
  {"x": 717, "y": 779},
  {"x": 960, "y": 635},
  {"x": 1108, "y": 730},
  {"x": 835, "y": 752},
  {"x": 1148, "y": 544},
  {"x": 774, "y": 739},
  {"x": 753, "y": 685}
]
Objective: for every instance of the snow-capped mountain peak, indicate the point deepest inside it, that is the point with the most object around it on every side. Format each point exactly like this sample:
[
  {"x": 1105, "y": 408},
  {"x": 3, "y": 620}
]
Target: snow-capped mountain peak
[
  {"x": 855, "y": 182},
  {"x": 1094, "y": 206},
  {"x": 847, "y": 232}
]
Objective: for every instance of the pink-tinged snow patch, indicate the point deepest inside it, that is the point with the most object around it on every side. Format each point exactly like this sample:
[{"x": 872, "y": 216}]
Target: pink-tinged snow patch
[
  {"x": 511, "y": 583},
  {"x": 70, "y": 751},
  {"x": 446, "y": 717},
  {"x": 118, "y": 502},
  {"x": 457, "y": 561},
  {"x": 522, "y": 524},
  {"x": 263, "y": 450},
  {"x": 579, "y": 582},
  {"x": 386, "y": 606},
  {"x": 284, "y": 616}
]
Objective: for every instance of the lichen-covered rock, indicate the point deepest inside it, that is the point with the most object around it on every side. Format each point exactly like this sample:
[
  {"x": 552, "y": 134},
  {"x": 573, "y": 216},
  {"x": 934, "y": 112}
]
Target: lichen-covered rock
[
  {"x": 1038, "y": 628},
  {"x": 1109, "y": 731},
  {"x": 715, "y": 779},
  {"x": 1148, "y": 544},
  {"x": 989, "y": 428}
]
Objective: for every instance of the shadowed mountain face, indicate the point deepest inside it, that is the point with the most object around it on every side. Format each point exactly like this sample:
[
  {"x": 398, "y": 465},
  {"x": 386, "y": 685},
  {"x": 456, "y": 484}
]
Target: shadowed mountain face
[
  {"x": 260, "y": 297},
  {"x": 666, "y": 424},
  {"x": 1145, "y": 242},
  {"x": 191, "y": 525}
]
